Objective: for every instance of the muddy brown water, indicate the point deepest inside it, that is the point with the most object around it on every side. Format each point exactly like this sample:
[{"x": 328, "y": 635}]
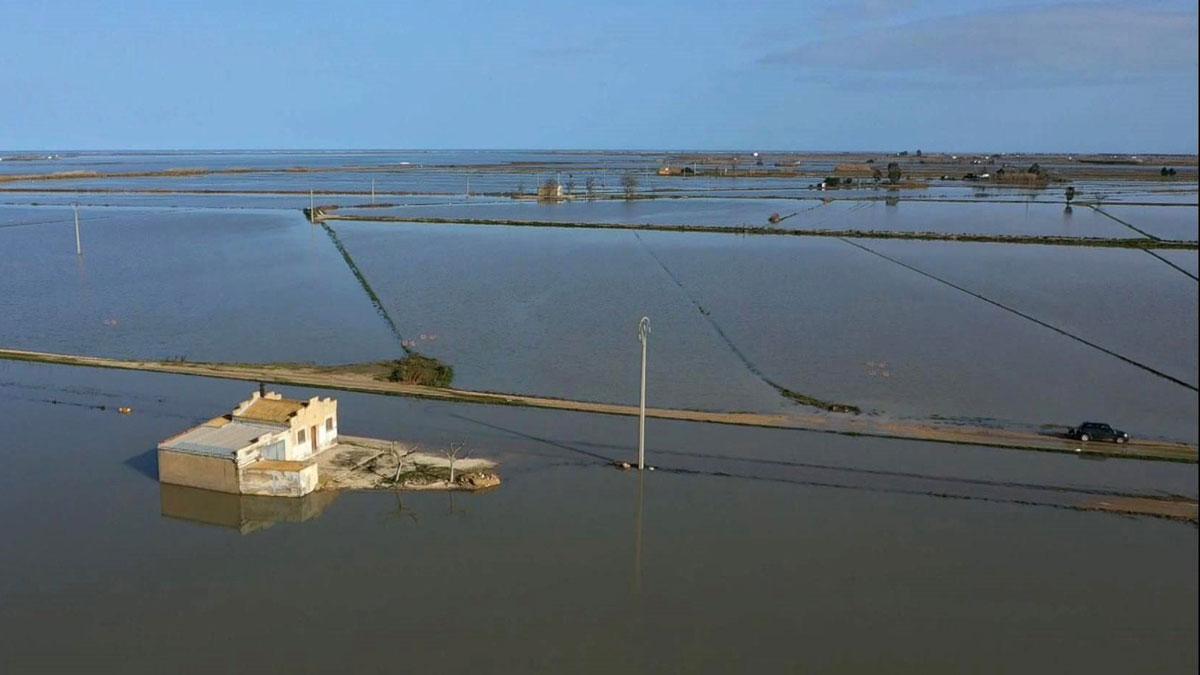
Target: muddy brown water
[
  {"x": 817, "y": 316},
  {"x": 750, "y": 549},
  {"x": 550, "y": 312}
]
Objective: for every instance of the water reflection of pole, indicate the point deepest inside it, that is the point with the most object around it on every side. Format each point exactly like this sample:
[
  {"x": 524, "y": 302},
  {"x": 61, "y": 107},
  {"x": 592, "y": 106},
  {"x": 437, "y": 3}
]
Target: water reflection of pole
[
  {"x": 644, "y": 337},
  {"x": 78, "y": 241},
  {"x": 637, "y": 547}
]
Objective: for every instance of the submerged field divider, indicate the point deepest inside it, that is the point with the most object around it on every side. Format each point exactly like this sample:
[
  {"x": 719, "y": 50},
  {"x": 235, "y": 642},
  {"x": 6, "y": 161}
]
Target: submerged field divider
[
  {"x": 1171, "y": 264},
  {"x": 1023, "y": 315},
  {"x": 782, "y": 390},
  {"x": 752, "y": 230},
  {"x": 1131, "y": 226},
  {"x": 366, "y": 286}
]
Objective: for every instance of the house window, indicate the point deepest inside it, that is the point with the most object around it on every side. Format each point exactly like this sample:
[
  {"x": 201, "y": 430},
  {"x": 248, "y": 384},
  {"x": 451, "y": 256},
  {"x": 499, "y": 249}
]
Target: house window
[
  {"x": 300, "y": 436},
  {"x": 328, "y": 424}
]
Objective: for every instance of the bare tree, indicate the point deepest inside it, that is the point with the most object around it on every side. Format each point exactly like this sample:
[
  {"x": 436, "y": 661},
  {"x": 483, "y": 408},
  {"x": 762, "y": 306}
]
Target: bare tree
[
  {"x": 452, "y": 453},
  {"x": 399, "y": 461},
  {"x": 569, "y": 186},
  {"x": 589, "y": 186},
  {"x": 629, "y": 183}
]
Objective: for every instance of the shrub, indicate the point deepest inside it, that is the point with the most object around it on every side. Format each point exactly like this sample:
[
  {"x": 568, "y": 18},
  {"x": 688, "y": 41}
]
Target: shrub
[{"x": 420, "y": 369}]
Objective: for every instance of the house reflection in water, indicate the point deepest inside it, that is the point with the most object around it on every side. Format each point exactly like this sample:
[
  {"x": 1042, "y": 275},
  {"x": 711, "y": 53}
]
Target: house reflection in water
[{"x": 244, "y": 513}]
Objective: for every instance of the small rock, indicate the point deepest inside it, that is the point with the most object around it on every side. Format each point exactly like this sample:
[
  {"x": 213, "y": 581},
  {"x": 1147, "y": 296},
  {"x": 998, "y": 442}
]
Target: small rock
[{"x": 480, "y": 480}]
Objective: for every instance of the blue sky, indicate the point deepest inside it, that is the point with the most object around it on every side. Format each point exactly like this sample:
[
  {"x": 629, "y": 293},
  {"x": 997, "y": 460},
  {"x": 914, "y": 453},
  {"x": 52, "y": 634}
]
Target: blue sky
[{"x": 961, "y": 75}]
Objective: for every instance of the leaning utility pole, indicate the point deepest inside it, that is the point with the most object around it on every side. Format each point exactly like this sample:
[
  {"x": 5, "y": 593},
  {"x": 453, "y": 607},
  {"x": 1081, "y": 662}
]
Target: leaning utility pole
[
  {"x": 78, "y": 242},
  {"x": 644, "y": 337}
]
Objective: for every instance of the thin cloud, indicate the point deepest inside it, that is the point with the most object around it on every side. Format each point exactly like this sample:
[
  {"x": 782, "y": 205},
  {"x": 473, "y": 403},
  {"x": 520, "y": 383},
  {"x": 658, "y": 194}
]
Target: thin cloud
[{"x": 1044, "y": 46}]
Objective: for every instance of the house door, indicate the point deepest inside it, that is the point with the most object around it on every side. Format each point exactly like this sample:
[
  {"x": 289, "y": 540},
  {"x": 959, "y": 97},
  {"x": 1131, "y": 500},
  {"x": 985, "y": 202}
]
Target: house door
[{"x": 312, "y": 433}]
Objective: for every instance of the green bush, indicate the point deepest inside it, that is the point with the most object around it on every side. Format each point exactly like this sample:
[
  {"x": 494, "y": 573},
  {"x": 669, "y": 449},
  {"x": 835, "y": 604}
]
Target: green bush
[{"x": 420, "y": 369}]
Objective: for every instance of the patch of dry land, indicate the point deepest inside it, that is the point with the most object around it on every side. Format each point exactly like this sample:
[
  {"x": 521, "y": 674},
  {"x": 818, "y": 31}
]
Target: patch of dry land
[
  {"x": 357, "y": 463},
  {"x": 1170, "y": 508}
]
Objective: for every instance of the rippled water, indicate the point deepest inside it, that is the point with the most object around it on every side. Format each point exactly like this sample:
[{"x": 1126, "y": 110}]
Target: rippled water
[
  {"x": 1032, "y": 219},
  {"x": 1176, "y": 222},
  {"x": 803, "y": 543},
  {"x": 748, "y": 550},
  {"x": 552, "y": 312},
  {"x": 818, "y": 316},
  {"x": 202, "y": 286}
]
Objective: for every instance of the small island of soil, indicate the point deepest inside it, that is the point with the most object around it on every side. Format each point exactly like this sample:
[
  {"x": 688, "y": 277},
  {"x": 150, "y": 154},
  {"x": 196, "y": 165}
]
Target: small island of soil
[{"x": 369, "y": 464}]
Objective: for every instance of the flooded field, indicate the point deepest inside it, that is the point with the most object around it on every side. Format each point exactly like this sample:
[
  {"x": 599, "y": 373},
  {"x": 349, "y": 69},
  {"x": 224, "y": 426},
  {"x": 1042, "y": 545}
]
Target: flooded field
[
  {"x": 1184, "y": 260},
  {"x": 179, "y": 284},
  {"x": 868, "y": 215},
  {"x": 550, "y": 312},
  {"x": 820, "y": 317},
  {"x": 825, "y": 538},
  {"x": 1177, "y": 222},
  {"x": 783, "y": 547},
  {"x": 1096, "y": 294}
]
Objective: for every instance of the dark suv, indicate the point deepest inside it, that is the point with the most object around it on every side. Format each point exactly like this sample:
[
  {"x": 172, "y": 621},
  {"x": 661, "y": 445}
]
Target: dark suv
[{"x": 1097, "y": 431}]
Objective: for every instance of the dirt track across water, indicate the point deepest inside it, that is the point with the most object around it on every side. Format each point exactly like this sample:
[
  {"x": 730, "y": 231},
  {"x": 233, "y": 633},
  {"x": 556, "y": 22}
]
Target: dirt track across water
[{"x": 365, "y": 379}]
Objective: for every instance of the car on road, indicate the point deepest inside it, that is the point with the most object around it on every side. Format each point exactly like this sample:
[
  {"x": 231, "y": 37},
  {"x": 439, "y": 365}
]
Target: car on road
[{"x": 1097, "y": 431}]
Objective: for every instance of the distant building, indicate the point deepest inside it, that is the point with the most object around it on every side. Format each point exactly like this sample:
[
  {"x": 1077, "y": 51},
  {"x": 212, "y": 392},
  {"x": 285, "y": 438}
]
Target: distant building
[
  {"x": 676, "y": 171},
  {"x": 266, "y": 446},
  {"x": 551, "y": 190}
]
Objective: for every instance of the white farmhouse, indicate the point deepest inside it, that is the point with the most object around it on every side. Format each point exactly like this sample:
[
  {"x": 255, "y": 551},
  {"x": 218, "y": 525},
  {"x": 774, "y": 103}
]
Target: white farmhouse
[{"x": 266, "y": 446}]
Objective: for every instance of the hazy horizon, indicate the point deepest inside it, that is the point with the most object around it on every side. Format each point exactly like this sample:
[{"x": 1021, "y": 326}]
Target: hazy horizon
[{"x": 769, "y": 151}]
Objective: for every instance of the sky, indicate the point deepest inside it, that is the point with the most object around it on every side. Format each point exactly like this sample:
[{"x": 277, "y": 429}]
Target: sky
[{"x": 847, "y": 75}]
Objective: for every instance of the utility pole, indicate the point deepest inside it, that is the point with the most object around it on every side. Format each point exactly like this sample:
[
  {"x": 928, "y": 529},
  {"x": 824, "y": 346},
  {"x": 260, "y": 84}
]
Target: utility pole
[
  {"x": 78, "y": 242},
  {"x": 644, "y": 337},
  {"x": 372, "y": 191},
  {"x": 312, "y": 207}
]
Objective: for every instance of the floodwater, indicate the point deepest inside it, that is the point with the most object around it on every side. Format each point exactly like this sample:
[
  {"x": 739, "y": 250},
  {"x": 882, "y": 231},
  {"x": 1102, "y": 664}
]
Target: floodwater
[
  {"x": 1185, "y": 260},
  {"x": 1090, "y": 293},
  {"x": 104, "y": 201},
  {"x": 1175, "y": 222},
  {"x": 552, "y": 312},
  {"x": 805, "y": 544},
  {"x": 1030, "y": 219},
  {"x": 176, "y": 284},
  {"x": 748, "y": 550},
  {"x": 508, "y": 307},
  {"x": 507, "y": 171}
]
